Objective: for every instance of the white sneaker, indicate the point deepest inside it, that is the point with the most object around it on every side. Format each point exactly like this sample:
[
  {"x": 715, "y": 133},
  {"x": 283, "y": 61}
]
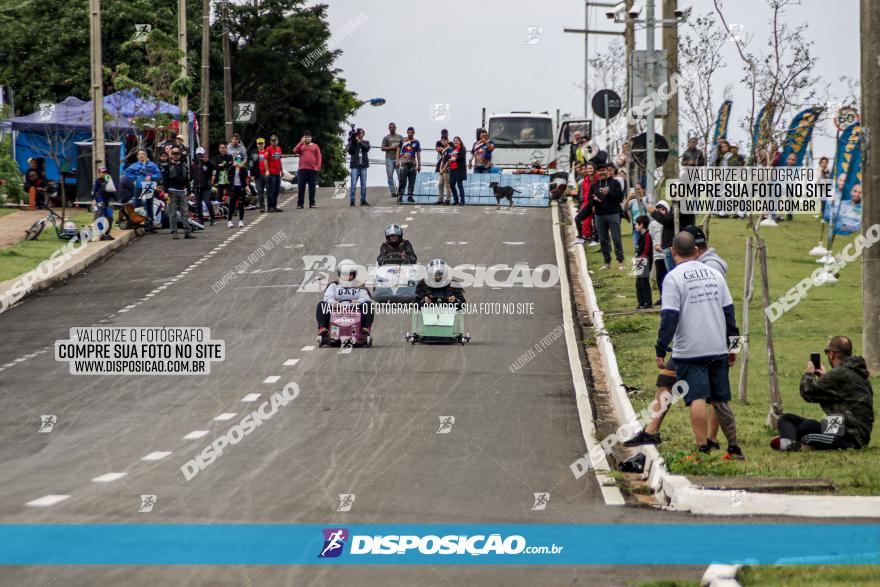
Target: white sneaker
[
  {"x": 229, "y": 224},
  {"x": 577, "y": 241},
  {"x": 240, "y": 223},
  {"x": 594, "y": 244},
  {"x": 768, "y": 222}
]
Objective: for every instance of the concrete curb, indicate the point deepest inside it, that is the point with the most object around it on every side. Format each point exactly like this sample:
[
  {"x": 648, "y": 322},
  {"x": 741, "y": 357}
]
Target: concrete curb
[
  {"x": 678, "y": 492},
  {"x": 72, "y": 267}
]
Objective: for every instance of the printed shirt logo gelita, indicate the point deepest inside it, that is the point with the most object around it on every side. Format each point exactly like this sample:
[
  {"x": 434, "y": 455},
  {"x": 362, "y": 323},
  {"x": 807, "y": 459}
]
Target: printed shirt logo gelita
[{"x": 334, "y": 541}]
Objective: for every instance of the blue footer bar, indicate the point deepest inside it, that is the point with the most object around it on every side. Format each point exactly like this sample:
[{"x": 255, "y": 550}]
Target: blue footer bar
[{"x": 522, "y": 544}]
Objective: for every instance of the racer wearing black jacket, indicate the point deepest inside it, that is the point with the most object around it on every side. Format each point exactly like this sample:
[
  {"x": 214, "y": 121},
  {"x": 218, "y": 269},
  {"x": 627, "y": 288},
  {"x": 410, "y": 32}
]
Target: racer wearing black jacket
[
  {"x": 396, "y": 250},
  {"x": 437, "y": 286}
]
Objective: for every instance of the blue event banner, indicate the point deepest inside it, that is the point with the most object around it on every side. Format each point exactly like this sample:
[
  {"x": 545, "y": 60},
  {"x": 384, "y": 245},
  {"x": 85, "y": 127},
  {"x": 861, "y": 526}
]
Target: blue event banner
[{"x": 521, "y": 544}]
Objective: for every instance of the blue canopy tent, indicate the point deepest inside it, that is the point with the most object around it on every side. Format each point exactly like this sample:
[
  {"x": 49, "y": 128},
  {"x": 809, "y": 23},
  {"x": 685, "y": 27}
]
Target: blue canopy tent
[
  {"x": 53, "y": 131},
  {"x": 131, "y": 104}
]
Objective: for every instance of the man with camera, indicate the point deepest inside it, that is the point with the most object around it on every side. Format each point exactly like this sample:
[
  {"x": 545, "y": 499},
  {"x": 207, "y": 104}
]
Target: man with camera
[
  {"x": 845, "y": 395},
  {"x": 358, "y": 151}
]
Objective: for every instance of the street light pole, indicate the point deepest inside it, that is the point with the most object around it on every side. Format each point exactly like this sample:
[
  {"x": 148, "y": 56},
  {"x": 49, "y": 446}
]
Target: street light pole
[
  {"x": 181, "y": 41},
  {"x": 649, "y": 90},
  {"x": 97, "y": 83},
  {"x": 206, "y": 75},
  {"x": 586, "y": 59},
  {"x": 227, "y": 71}
]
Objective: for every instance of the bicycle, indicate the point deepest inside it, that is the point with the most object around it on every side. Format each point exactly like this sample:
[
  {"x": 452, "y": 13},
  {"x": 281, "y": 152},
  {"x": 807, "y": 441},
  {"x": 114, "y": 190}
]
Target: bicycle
[{"x": 36, "y": 229}]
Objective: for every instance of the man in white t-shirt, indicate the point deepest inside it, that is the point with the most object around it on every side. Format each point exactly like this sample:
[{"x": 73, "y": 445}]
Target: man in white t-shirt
[{"x": 697, "y": 317}]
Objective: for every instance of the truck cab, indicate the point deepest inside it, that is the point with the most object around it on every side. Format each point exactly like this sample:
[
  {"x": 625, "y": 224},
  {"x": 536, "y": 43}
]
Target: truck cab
[{"x": 521, "y": 138}]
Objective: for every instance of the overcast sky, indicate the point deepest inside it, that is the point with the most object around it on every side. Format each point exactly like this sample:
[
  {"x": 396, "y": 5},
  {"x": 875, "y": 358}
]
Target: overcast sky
[{"x": 471, "y": 54}]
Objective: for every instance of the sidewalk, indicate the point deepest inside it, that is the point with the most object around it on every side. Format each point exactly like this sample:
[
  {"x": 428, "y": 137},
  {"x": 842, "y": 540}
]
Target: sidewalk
[
  {"x": 53, "y": 271},
  {"x": 13, "y": 226}
]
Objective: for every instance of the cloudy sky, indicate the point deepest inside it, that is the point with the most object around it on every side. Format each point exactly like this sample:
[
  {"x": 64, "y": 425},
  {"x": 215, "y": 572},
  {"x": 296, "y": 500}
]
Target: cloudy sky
[{"x": 473, "y": 54}]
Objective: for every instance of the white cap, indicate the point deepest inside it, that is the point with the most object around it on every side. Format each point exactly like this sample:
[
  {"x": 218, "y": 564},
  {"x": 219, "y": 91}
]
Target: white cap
[
  {"x": 665, "y": 204},
  {"x": 200, "y": 151}
]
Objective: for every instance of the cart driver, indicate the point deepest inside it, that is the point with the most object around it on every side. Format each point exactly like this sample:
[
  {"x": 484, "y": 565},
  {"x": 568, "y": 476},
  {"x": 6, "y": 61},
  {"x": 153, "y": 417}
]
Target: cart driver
[
  {"x": 396, "y": 250},
  {"x": 437, "y": 286},
  {"x": 347, "y": 289}
]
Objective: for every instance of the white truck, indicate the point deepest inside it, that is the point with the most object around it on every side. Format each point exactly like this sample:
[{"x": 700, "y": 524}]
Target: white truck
[{"x": 521, "y": 138}]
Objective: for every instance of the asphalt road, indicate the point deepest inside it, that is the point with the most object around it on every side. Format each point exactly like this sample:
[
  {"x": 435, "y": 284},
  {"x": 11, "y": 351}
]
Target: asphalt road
[{"x": 365, "y": 422}]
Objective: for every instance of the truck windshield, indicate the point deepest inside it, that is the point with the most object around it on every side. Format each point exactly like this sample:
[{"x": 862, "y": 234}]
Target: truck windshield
[{"x": 521, "y": 132}]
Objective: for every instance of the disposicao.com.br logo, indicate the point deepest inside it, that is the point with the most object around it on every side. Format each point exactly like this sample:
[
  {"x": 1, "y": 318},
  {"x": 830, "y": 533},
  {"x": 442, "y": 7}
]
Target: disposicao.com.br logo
[{"x": 430, "y": 544}]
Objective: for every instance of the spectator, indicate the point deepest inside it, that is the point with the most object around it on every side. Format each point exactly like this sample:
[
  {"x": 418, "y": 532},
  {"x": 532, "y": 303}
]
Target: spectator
[
  {"x": 102, "y": 198},
  {"x": 583, "y": 220},
  {"x": 409, "y": 162},
  {"x": 391, "y": 147},
  {"x": 634, "y": 205},
  {"x": 722, "y": 158},
  {"x": 644, "y": 254},
  {"x": 656, "y": 230},
  {"x": 576, "y": 150},
  {"x": 202, "y": 173},
  {"x": 693, "y": 156},
  {"x": 666, "y": 216},
  {"x": 444, "y": 150},
  {"x": 175, "y": 178},
  {"x": 223, "y": 168},
  {"x": 260, "y": 171},
  {"x": 623, "y": 158},
  {"x": 606, "y": 197},
  {"x": 358, "y": 151},
  {"x": 698, "y": 318},
  {"x": 736, "y": 160},
  {"x": 273, "y": 179},
  {"x": 310, "y": 162},
  {"x": 144, "y": 170},
  {"x": 457, "y": 171},
  {"x": 179, "y": 143},
  {"x": 236, "y": 149},
  {"x": 36, "y": 185},
  {"x": 597, "y": 158},
  {"x": 824, "y": 172},
  {"x": 240, "y": 178},
  {"x": 845, "y": 395},
  {"x": 481, "y": 154}
]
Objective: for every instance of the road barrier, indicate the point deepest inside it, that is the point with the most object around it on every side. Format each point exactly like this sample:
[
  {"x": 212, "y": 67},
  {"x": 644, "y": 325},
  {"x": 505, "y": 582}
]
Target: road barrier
[{"x": 533, "y": 189}]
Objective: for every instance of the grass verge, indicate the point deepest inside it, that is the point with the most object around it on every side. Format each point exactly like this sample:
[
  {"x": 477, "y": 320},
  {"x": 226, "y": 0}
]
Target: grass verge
[
  {"x": 826, "y": 311},
  {"x": 23, "y": 256}
]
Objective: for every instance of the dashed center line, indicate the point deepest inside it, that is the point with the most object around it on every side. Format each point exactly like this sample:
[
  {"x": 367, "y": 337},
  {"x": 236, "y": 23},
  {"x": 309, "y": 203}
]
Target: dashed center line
[
  {"x": 291, "y": 362},
  {"x": 272, "y": 379},
  {"x": 195, "y": 434},
  {"x": 225, "y": 416},
  {"x": 47, "y": 500},
  {"x": 108, "y": 477},
  {"x": 157, "y": 455},
  {"x": 251, "y": 397}
]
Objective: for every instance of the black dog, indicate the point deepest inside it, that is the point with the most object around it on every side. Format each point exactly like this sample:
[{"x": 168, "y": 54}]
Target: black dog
[{"x": 501, "y": 192}]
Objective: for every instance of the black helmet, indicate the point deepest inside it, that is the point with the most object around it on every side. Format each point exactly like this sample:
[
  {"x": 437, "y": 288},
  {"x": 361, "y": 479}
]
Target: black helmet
[
  {"x": 393, "y": 229},
  {"x": 437, "y": 274}
]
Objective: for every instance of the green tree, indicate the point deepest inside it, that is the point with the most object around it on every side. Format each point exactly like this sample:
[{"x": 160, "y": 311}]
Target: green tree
[{"x": 270, "y": 49}]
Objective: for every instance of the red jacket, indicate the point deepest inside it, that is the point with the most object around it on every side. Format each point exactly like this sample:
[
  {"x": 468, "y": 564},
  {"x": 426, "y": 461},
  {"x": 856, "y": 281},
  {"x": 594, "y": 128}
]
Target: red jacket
[
  {"x": 273, "y": 157},
  {"x": 309, "y": 156}
]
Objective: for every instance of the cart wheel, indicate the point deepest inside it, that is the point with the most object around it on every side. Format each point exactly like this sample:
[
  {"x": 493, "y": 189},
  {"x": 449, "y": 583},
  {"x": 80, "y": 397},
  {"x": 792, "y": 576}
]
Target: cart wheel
[
  {"x": 140, "y": 231},
  {"x": 369, "y": 341},
  {"x": 406, "y": 337},
  {"x": 123, "y": 224},
  {"x": 320, "y": 340}
]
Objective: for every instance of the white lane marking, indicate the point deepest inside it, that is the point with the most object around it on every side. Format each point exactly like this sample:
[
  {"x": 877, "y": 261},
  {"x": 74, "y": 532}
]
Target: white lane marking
[
  {"x": 195, "y": 434},
  {"x": 251, "y": 397},
  {"x": 345, "y": 245},
  {"x": 291, "y": 362},
  {"x": 272, "y": 378},
  {"x": 456, "y": 242},
  {"x": 156, "y": 455},
  {"x": 408, "y": 218},
  {"x": 308, "y": 348},
  {"x": 108, "y": 477},
  {"x": 404, "y": 226},
  {"x": 513, "y": 242},
  {"x": 225, "y": 416},
  {"x": 46, "y": 500}
]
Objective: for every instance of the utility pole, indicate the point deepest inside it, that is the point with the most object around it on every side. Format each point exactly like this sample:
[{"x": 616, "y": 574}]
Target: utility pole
[
  {"x": 649, "y": 90},
  {"x": 870, "y": 41},
  {"x": 586, "y": 59},
  {"x": 183, "y": 102},
  {"x": 97, "y": 92},
  {"x": 206, "y": 75},
  {"x": 227, "y": 71},
  {"x": 670, "y": 123},
  {"x": 629, "y": 40}
]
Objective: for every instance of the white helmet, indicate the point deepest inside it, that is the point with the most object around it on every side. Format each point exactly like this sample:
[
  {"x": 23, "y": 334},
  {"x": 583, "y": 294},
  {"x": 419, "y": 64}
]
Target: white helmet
[
  {"x": 347, "y": 272},
  {"x": 438, "y": 274},
  {"x": 393, "y": 229}
]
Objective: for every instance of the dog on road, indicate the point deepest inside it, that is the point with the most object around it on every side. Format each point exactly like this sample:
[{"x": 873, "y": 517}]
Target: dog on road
[{"x": 501, "y": 192}]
